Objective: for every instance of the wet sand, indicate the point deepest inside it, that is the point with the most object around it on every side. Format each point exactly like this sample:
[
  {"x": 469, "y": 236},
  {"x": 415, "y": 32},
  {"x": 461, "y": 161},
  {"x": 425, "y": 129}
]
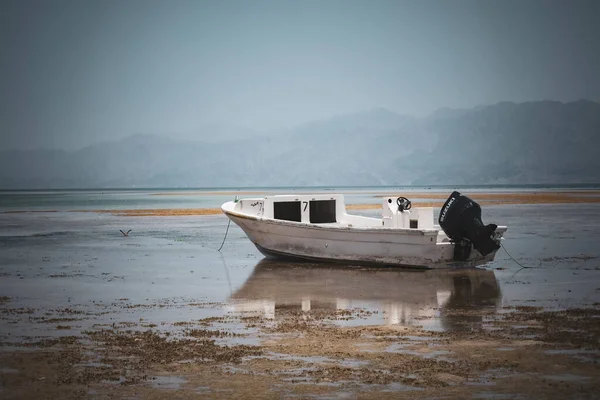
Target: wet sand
[
  {"x": 164, "y": 212},
  {"x": 522, "y": 352},
  {"x": 88, "y": 313}
]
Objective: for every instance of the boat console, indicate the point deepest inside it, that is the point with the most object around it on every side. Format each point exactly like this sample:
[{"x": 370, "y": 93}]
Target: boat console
[{"x": 398, "y": 213}]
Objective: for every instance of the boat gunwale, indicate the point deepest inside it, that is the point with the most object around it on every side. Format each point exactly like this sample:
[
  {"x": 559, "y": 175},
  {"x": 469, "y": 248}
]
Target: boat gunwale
[{"x": 295, "y": 224}]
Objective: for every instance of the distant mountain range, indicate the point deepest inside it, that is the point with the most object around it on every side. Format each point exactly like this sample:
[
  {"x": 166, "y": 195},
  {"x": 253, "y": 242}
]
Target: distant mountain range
[{"x": 506, "y": 143}]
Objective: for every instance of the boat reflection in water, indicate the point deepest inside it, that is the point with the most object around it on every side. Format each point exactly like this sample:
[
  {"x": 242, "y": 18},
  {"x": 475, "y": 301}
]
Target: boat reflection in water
[{"x": 393, "y": 296}]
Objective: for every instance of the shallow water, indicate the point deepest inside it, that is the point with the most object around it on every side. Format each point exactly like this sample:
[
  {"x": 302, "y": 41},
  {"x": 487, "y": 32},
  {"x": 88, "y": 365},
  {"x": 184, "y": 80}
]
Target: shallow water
[
  {"x": 73, "y": 200},
  {"x": 79, "y": 267},
  {"x": 119, "y": 199}
]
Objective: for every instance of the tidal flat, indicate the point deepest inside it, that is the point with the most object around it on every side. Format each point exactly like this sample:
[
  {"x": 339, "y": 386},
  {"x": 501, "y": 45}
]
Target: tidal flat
[{"x": 86, "y": 312}]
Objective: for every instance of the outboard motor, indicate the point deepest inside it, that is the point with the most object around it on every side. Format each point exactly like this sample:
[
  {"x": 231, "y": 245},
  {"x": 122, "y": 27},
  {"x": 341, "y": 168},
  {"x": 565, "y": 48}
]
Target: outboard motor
[{"x": 460, "y": 218}]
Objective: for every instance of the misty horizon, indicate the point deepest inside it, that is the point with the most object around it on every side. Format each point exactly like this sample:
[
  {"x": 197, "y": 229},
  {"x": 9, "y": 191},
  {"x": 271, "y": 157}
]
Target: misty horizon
[
  {"x": 506, "y": 143},
  {"x": 247, "y": 132},
  {"x": 76, "y": 73}
]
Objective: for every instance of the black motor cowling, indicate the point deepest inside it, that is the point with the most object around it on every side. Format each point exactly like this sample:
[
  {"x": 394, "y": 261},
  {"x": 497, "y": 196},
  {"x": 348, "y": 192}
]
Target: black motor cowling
[{"x": 460, "y": 218}]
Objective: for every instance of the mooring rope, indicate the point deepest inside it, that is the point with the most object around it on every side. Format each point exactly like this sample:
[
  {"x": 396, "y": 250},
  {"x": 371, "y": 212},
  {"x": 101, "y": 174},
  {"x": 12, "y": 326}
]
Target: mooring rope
[
  {"x": 516, "y": 262},
  {"x": 227, "y": 230},
  {"x": 512, "y": 258}
]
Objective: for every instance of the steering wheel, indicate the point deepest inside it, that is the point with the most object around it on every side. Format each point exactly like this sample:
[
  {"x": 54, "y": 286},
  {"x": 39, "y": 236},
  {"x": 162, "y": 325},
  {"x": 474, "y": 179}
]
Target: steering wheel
[{"x": 403, "y": 203}]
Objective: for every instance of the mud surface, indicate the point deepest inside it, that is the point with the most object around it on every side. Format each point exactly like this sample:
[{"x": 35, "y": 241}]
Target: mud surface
[
  {"x": 86, "y": 312},
  {"x": 520, "y": 352}
]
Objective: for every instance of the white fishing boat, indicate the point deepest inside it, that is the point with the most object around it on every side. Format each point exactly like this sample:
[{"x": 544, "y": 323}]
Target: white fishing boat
[{"x": 318, "y": 228}]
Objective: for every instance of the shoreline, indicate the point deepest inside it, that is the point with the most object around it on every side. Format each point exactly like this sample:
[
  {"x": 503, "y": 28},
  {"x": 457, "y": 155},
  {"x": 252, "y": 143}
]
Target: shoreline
[{"x": 423, "y": 199}]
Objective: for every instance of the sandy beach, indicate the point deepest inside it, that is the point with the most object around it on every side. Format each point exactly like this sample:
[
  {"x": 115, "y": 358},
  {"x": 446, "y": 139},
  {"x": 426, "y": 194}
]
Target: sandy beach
[{"x": 86, "y": 312}]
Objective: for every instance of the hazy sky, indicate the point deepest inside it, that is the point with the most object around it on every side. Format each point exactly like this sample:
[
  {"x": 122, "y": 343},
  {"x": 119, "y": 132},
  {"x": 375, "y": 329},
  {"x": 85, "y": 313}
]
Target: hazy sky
[{"x": 77, "y": 72}]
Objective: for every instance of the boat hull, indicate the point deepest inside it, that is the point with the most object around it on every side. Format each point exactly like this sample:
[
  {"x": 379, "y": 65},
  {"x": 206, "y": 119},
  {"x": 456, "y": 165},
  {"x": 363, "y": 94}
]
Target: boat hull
[{"x": 391, "y": 247}]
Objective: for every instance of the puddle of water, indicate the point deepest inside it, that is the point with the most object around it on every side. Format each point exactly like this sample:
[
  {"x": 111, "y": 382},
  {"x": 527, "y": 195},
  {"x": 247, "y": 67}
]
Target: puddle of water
[
  {"x": 355, "y": 296},
  {"x": 114, "y": 382},
  {"x": 298, "y": 379},
  {"x": 338, "y": 395},
  {"x": 581, "y": 355},
  {"x": 308, "y": 380},
  {"x": 6, "y": 370},
  {"x": 203, "y": 389},
  {"x": 364, "y": 347},
  {"x": 328, "y": 396},
  {"x": 493, "y": 396},
  {"x": 421, "y": 338},
  {"x": 505, "y": 348},
  {"x": 488, "y": 378},
  {"x": 348, "y": 362},
  {"x": 93, "y": 365},
  {"x": 525, "y": 327},
  {"x": 400, "y": 348},
  {"x": 167, "y": 382},
  {"x": 297, "y": 372},
  {"x": 480, "y": 382},
  {"x": 566, "y": 378},
  {"x": 352, "y": 363},
  {"x": 331, "y": 384},
  {"x": 235, "y": 370},
  {"x": 398, "y": 387},
  {"x": 306, "y": 359}
]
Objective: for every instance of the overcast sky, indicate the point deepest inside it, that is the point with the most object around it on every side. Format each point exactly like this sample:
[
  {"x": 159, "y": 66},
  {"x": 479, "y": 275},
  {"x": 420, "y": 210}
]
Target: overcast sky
[{"x": 78, "y": 72}]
